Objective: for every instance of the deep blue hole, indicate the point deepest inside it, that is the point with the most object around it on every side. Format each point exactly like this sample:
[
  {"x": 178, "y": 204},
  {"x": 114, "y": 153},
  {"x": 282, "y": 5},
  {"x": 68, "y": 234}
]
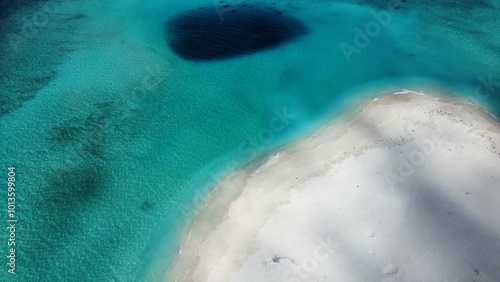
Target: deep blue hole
[{"x": 220, "y": 32}]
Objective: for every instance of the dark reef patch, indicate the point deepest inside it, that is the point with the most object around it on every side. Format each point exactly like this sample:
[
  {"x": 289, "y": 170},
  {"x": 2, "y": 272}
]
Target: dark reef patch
[
  {"x": 84, "y": 137},
  {"x": 10, "y": 7},
  {"x": 30, "y": 54},
  {"x": 226, "y": 31},
  {"x": 77, "y": 185},
  {"x": 146, "y": 206}
]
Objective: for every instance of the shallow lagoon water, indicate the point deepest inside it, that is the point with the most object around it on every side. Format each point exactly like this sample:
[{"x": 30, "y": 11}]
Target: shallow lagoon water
[{"x": 115, "y": 138}]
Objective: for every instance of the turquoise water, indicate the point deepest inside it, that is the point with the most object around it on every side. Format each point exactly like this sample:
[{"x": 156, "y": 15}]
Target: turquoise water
[{"x": 115, "y": 138}]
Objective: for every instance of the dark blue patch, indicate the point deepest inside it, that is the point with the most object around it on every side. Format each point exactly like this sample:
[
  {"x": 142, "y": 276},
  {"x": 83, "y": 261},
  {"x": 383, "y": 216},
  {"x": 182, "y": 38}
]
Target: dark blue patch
[
  {"x": 10, "y": 7},
  {"x": 220, "y": 32}
]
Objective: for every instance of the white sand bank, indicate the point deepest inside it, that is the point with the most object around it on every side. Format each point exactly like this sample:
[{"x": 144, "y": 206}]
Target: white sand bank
[{"x": 408, "y": 191}]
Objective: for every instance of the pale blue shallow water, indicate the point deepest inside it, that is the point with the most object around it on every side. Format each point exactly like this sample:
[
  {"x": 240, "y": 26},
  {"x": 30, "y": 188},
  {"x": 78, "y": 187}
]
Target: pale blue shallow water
[{"x": 115, "y": 138}]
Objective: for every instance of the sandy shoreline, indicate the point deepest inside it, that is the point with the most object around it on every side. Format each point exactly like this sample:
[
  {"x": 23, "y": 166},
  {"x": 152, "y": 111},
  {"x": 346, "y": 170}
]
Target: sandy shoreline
[{"x": 407, "y": 191}]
